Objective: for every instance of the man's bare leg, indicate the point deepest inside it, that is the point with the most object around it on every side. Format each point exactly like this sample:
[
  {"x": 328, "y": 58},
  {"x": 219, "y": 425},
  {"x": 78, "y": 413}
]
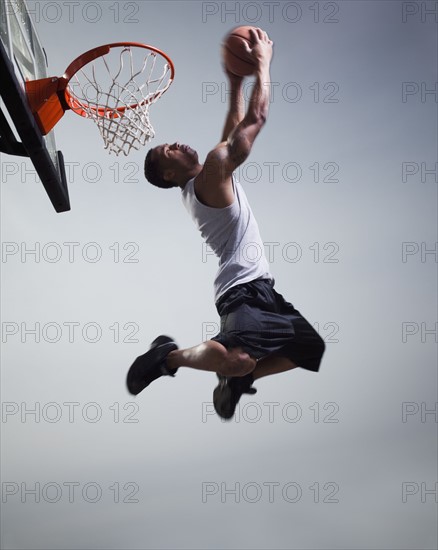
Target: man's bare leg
[
  {"x": 214, "y": 357},
  {"x": 272, "y": 365}
]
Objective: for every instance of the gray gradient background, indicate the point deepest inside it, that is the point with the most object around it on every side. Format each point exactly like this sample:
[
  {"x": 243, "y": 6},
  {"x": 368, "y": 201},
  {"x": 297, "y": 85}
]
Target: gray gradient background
[{"x": 368, "y": 372}]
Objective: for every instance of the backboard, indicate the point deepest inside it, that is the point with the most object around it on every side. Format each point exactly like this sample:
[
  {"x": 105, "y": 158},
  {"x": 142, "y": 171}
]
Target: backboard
[{"x": 23, "y": 58}]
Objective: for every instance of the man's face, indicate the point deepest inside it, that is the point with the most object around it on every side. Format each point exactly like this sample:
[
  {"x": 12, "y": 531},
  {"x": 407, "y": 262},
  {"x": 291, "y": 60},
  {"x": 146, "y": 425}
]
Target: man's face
[{"x": 175, "y": 158}]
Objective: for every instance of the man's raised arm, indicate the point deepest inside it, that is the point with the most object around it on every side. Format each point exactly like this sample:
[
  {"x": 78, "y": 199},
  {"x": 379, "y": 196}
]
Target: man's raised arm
[
  {"x": 213, "y": 184},
  {"x": 241, "y": 139}
]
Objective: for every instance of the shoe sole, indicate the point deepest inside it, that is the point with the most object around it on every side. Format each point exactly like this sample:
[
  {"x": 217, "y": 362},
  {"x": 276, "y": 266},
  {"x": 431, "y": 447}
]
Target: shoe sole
[
  {"x": 222, "y": 398},
  {"x": 224, "y": 401},
  {"x": 144, "y": 364}
]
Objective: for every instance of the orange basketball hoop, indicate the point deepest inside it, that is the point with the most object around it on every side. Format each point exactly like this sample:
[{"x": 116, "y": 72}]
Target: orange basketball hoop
[{"x": 114, "y": 85}]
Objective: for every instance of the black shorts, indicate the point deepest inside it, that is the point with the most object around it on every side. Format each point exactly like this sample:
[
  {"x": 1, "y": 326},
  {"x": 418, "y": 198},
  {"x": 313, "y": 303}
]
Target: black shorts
[{"x": 257, "y": 319}]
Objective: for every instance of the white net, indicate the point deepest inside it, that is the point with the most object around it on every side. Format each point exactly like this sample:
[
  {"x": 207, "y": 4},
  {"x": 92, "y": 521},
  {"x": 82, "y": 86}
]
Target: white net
[{"x": 116, "y": 90}]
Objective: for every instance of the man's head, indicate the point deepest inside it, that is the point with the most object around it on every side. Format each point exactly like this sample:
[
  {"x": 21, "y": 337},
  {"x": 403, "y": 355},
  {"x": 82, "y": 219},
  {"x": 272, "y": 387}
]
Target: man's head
[{"x": 168, "y": 166}]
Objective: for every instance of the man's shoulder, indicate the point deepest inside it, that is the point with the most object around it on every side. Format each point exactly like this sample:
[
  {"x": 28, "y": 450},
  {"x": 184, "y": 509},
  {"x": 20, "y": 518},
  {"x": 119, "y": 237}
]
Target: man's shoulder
[
  {"x": 214, "y": 183},
  {"x": 215, "y": 159}
]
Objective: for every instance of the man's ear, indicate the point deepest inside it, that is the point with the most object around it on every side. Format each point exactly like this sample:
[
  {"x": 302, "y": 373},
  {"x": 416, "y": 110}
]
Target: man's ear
[{"x": 168, "y": 174}]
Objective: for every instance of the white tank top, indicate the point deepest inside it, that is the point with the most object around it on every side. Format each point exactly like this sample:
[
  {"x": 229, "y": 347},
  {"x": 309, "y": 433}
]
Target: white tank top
[{"x": 233, "y": 234}]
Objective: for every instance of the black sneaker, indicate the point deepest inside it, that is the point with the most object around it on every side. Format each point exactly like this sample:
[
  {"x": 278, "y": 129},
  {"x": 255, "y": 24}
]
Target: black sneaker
[
  {"x": 151, "y": 365},
  {"x": 228, "y": 393}
]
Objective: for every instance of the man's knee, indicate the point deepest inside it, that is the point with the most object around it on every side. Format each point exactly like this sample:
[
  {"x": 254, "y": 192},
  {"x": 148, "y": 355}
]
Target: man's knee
[{"x": 236, "y": 363}]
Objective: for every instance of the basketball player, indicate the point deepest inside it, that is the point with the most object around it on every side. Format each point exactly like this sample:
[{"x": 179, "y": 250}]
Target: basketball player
[{"x": 261, "y": 334}]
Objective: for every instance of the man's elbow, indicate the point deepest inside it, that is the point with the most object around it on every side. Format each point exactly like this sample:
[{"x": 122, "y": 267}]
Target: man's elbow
[
  {"x": 263, "y": 117},
  {"x": 258, "y": 118}
]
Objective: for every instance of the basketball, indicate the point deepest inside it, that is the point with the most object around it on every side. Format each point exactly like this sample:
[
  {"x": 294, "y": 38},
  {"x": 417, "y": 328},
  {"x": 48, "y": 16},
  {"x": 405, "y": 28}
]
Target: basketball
[{"x": 235, "y": 56}]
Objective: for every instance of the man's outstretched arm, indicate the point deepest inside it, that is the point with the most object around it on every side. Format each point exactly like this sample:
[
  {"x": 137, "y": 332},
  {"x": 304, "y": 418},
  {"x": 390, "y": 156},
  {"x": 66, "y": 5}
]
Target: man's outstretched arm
[
  {"x": 238, "y": 142},
  {"x": 241, "y": 139},
  {"x": 213, "y": 185}
]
